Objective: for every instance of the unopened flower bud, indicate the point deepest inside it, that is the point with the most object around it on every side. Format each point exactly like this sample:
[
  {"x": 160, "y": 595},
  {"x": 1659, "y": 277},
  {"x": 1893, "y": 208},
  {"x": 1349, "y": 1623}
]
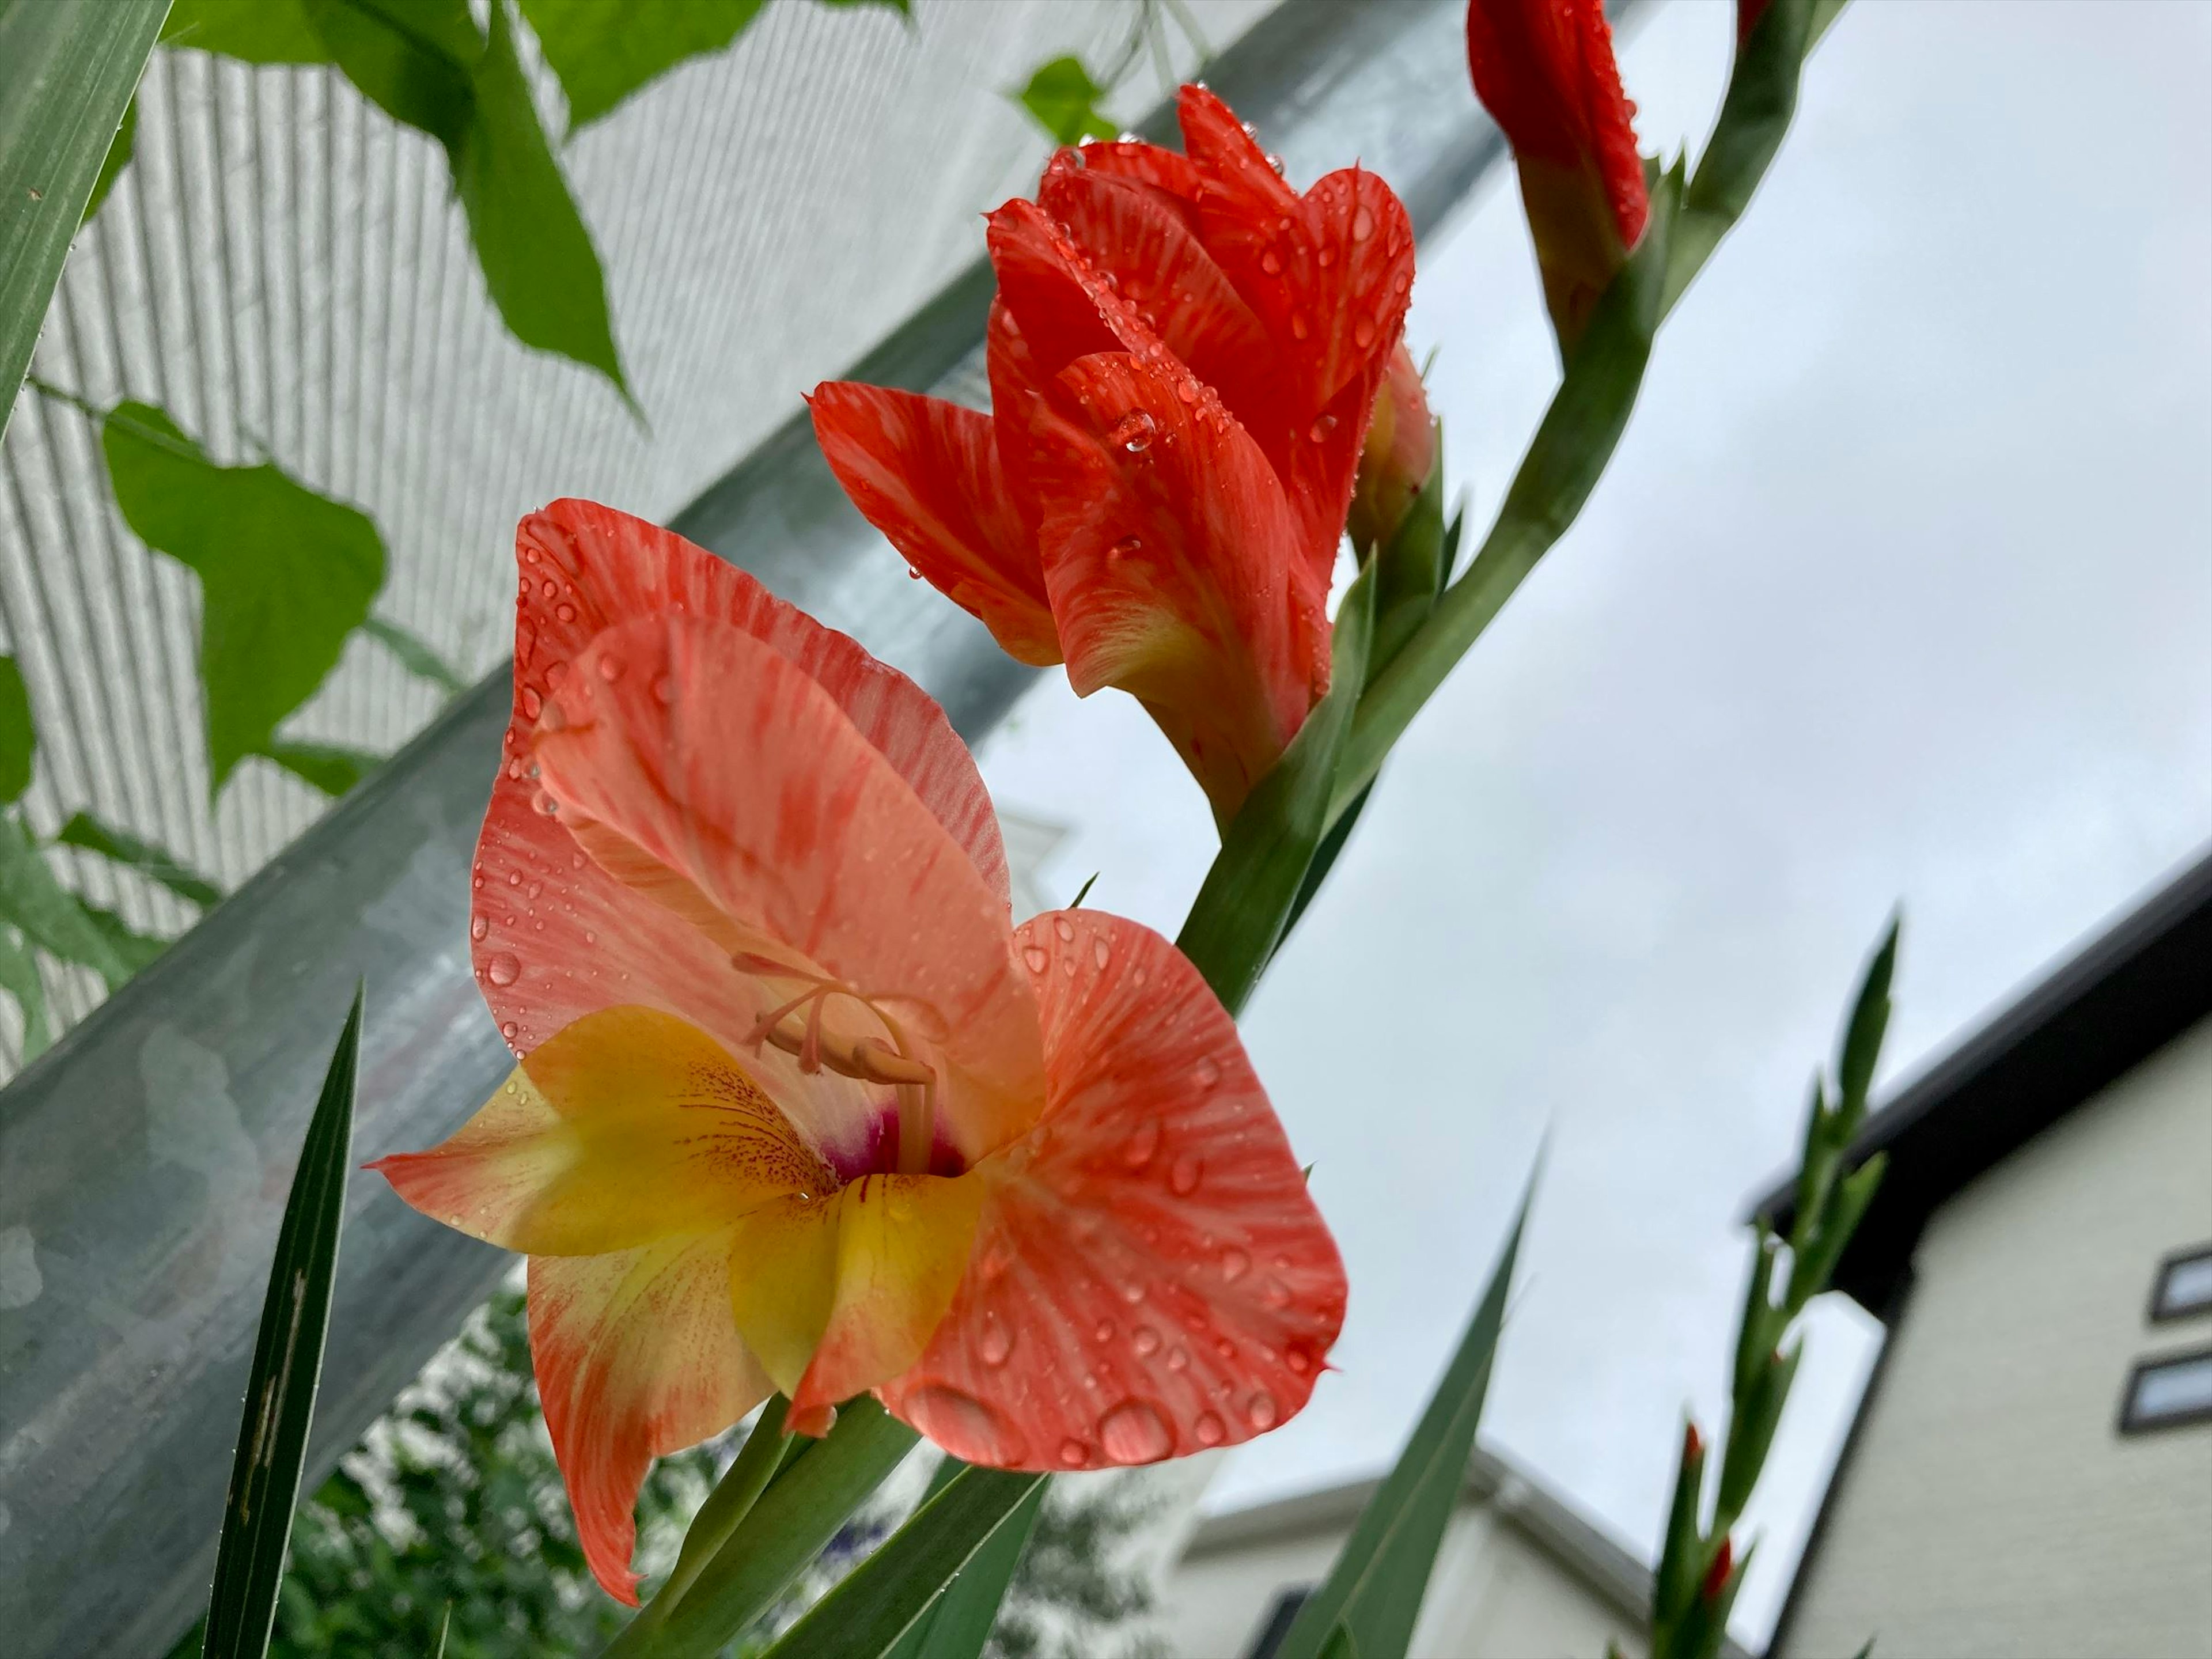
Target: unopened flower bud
[{"x": 1401, "y": 446}]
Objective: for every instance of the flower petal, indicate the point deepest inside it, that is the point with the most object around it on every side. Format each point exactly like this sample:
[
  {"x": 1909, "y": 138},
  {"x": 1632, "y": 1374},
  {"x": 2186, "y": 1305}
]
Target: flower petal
[
  {"x": 926, "y": 473},
  {"x": 1152, "y": 1238},
  {"x": 839, "y": 1294},
  {"x": 628, "y": 1127},
  {"x": 636, "y": 1357},
  {"x": 1175, "y": 177},
  {"x": 720, "y": 760},
  {"x": 1173, "y": 561}
]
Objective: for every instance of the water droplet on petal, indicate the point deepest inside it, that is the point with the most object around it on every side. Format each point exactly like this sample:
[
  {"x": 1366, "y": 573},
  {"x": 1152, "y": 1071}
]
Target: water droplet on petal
[
  {"x": 480, "y": 927},
  {"x": 1363, "y": 332},
  {"x": 507, "y": 1031},
  {"x": 1275, "y": 1293},
  {"x": 514, "y": 879},
  {"x": 1144, "y": 1141},
  {"x": 532, "y": 704},
  {"x": 1272, "y": 263},
  {"x": 1235, "y": 1264},
  {"x": 1075, "y": 1453},
  {"x": 1322, "y": 426},
  {"x": 564, "y": 612},
  {"x": 611, "y": 668},
  {"x": 1135, "y": 1433},
  {"x": 1209, "y": 1072},
  {"x": 1065, "y": 929},
  {"x": 1186, "y": 389},
  {"x": 1122, "y": 549},
  {"x": 1297, "y": 1359},
  {"x": 544, "y": 801},
  {"x": 1183, "y": 1178},
  {"x": 1035, "y": 957},
  {"x": 1178, "y": 1358},
  {"x": 996, "y": 1341},
  {"x": 1209, "y": 1430},
  {"x": 1261, "y": 1410},
  {"x": 547, "y": 589},
  {"x": 1133, "y": 1294},
  {"x": 1300, "y": 328},
  {"x": 964, "y": 1426},
  {"x": 1134, "y": 430},
  {"x": 502, "y": 968},
  {"x": 1363, "y": 225},
  {"x": 1146, "y": 1340},
  {"x": 1325, "y": 257},
  {"x": 664, "y": 689},
  {"x": 1104, "y": 1330}
]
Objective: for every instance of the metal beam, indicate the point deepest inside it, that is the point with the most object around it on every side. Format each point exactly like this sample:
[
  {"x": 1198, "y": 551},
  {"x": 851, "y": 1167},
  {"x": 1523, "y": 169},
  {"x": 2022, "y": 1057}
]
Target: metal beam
[{"x": 144, "y": 1161}]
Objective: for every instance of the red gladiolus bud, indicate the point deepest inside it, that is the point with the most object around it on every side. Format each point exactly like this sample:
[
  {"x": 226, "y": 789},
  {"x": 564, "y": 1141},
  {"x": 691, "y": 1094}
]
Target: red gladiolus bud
[
  {"x": 1401, "y": 447},
  {"x": 1545, "y": 70},
  {"x": 1747, "y": 14},
  {"x": 1693, "y": 1443},
  {"x": 1716, "y": 1576}
]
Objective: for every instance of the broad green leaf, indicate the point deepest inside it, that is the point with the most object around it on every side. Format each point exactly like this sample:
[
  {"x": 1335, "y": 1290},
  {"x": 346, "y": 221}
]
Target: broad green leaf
[
  {"x": 1373, "y": 1592},
  {"x": 19, "y": 739},
  {"x": 605, "y": 49},
  {"x": 253, "y": 31},
  {"x": 288, "y": 1367},
  {"x": 328, "y": 766},
  {"x": 1063, "y": 99},
  {"x": 875, "y": 1605},
  {"x": 134, "y": 949},
  {"x": 1253, "y": 885},
  {"x": 415, "y": 655},
  {"x": 724, "y": 1511},
  {"x": 411, "y": 58},
  {"x": 47, "y": 914},
  {"x": 958, "y": 1623},
  {"x": 285, "y": 573},
  {"x": 119, "y": 157},
  {"x": 537, "y": 258},
  {"x": 19, "y": 978},
  {"x": 155, "y": 863},
  {"x": 67, "y": 70},
  {"x": 801, "y": 1511}
]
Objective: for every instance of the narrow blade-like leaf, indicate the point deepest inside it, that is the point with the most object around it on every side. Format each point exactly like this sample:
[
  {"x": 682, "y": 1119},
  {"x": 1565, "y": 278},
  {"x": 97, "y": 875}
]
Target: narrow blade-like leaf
[
  {"x": 876, "y": 1603},
  {"x": 287, "y": 1366},
  {"x": 415, "y": 654},
  {"x": 67, "y": 69},
  {"x": 156, "y": 864},
  {"x": 1373, "y": 1594},
  {"x": 958, "y": 1623}
]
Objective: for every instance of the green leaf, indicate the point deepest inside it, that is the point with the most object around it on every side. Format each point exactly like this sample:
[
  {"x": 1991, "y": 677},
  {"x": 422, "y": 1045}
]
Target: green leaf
[
  {"x": 1410, "y": 567},
  {"x": 876, "y": 1603},
  {"x": 287, "y": 1366},
  {"x": 134, "y": 948},
  {"x": 48, "y": 914},
  {"x": 724, "y": 1511},
  {"x": 1249, "y": 894},
  {"x": 285, "y": 573},
  {"x": 537, "y": 258},
  {"x": 605, "y": 49},
  {"x": 251, "y": 31},
  {"x": 156, "y": 864},
  {"x": 328, "y": 766},
  {"x": 1751, "y": 1431},
  {"x": 411, "y": 58},
  {"x": 18, "y": 977},
  {"x": 415, "y": 655},
  {"x": 1675, "y": 1581},
  {"x": 801, "y": 1511},
  {"x": 119, "y": 157},
  {"x": 1374, "y": 1591},
  {"x": 1863, "y": 1035},
  {"x": 18, "y": 738},
  {"x": 67, "y": 70},
  {"x": 958, "y": 1623},
  {"x": 1063, "y": 99}
]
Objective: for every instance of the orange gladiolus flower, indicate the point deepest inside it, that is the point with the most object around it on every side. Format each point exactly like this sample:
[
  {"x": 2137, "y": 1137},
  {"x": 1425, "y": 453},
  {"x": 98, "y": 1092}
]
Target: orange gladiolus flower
[
  {"x": 1184, "y": 355},
  {"x": 1544, "y": 69},
  {"x": 799, "y": 1108}
]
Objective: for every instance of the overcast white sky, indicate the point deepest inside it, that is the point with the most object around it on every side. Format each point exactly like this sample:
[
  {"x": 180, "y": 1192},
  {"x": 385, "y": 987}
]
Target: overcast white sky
[{"x": 1900, "y": 587}]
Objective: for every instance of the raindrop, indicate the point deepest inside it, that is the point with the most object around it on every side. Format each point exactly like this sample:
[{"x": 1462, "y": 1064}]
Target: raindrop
[
  {"x": 1133, "y": 1294},
  {"x": 1272, "y": 263},
  {"x": 1209, "y": 1072},
  {"x": 1075, "y": 1453},
  {"x": 1261, "y": 1410},
  {"x": 1363, "y": 225},
  {"x": 1297, "y": 1359},
  {"x": 1146, "y": 1341},
  {"x": 1178, "y": 1358},
  {"x": 1034, "y": 956},
  {"x": 964, "y": 1426},
  {"x": 1276, "y": 163},
  {"x": 1235, "y": 1264},
  {"x": 1186, "y": 389},
  {"x": 1322, "y": 426},
  {"x": 1209, "y": 1430},
  {"x": 514, "y": 879},
  {"x": 1104, "y": 1330},
  {"x": 664, "y": 689},
  {"x": 479, "y": 928},
  {"x": 1325, "y": 257},
  {"x": 1183, "y": 1178},
  {"x": 1275, "y": 1293},
  {"x": 564, "y": 612},
  {"x": 1135, "y": 1433},
  {"x": 547, "y": 589},
  {"x": 611, "y": 668},
  {"x": 544, "y": 801},
  {"x": 532, "y": 704},
  {"x": 554, "y": 674},
  {"x": 996, "y": 1342},
  {"x": 503, "y": 968},
  {"x": 507, "y": 1031},
  {"x": 514, "y": 768},
  {"x": 1065, "y": 929},
  {"x": 1363, "y": 332},
  {"x": 1300, "y": 328},
  {"x": 1101, "y": 953},
  {"x": 1133, "y": 431},
  {"x": 1144, "y": 1141},
  {"x": 1122, "y": 549}
]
